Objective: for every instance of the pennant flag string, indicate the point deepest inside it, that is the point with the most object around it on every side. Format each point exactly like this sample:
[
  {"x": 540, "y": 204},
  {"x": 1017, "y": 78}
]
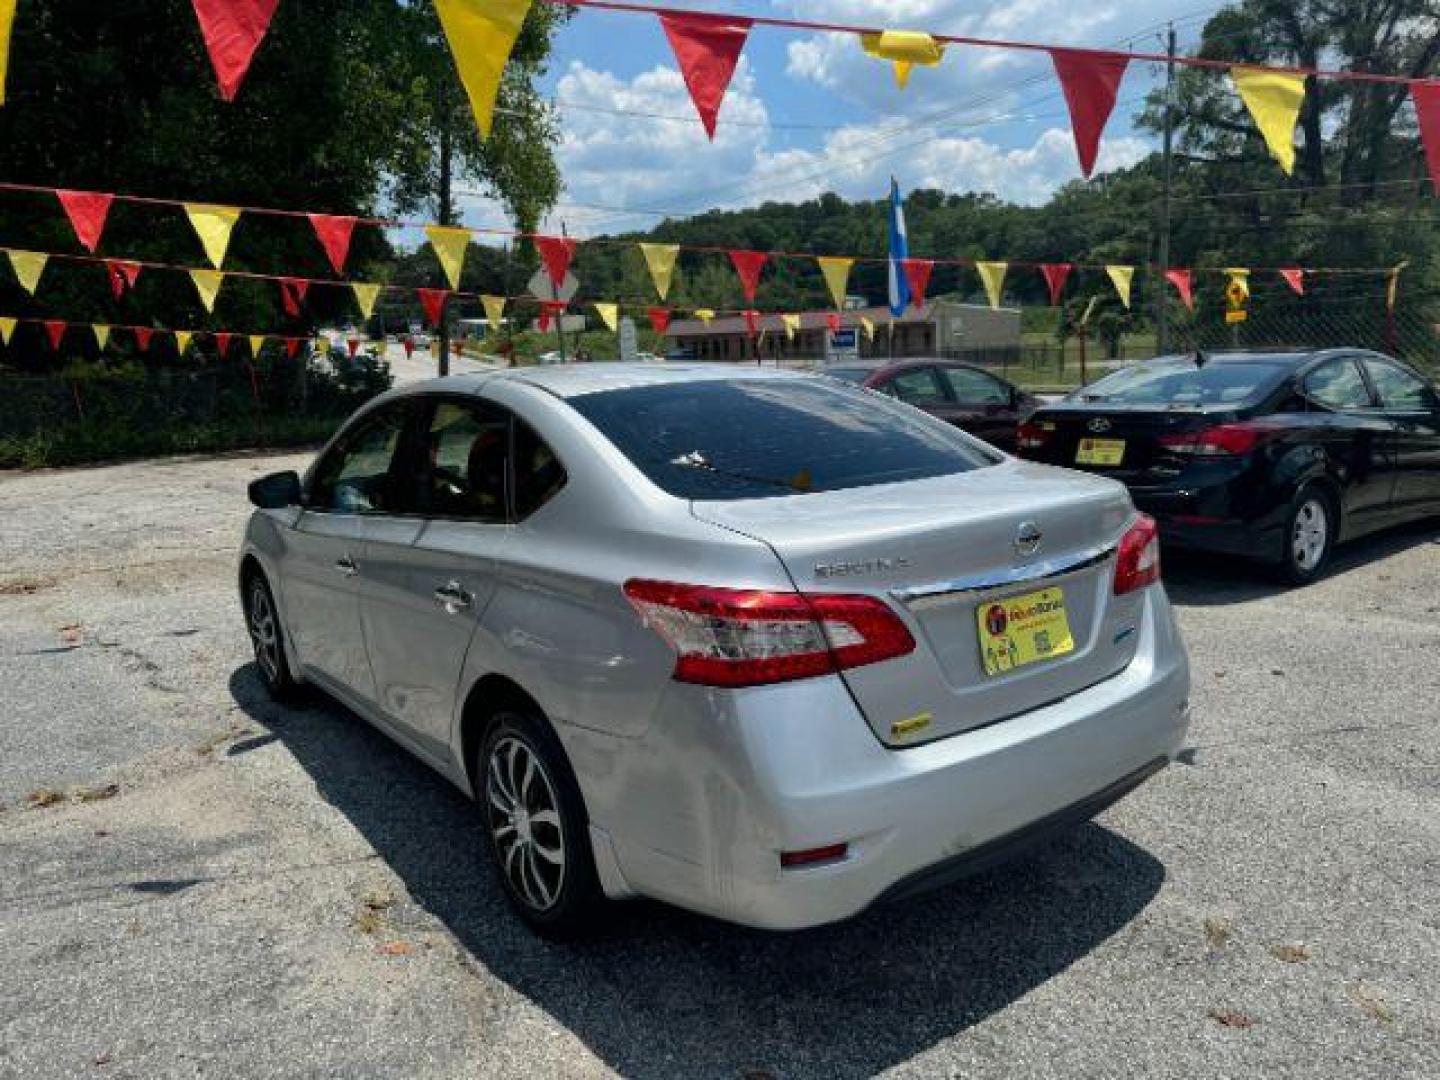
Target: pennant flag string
[
  {"x": 836, "y": 271},
  {"x": 481, "y": 35},
  {"x": 233, "y": 30},
  {"x": 1090, "y": 81},
  {"x": 213, "y": 224},
  {"x": 7, "y": 24},
  {"x": 1056, "y": 275},
  {"x": 1121, "y": 277},
  {"x": 1274, "y": 99},
  {"x": 87, "y": 211},
  {"x": 707, "y": 49},
  {"x": 450, "y": 244},
  {"x": 660, "y": 261},
  {"x": 1426, "y": 97},
  {"x": 1181, "y": 280},
  {"x": 992, "y": 275}
]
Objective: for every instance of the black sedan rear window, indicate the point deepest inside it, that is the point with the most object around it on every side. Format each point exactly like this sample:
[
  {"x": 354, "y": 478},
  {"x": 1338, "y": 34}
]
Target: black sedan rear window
[
  {"x": 1185, "y": 384},
  {"x": 759, "y": 438}
]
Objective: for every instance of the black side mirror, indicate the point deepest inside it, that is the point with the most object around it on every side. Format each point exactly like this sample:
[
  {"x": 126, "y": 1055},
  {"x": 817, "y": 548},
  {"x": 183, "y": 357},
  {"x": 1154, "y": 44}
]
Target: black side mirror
[{"x": 276, "y": 491}]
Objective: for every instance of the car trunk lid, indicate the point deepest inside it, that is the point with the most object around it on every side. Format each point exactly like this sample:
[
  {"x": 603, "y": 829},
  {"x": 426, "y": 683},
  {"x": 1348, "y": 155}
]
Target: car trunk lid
[{"x": 1122, "y": 443}]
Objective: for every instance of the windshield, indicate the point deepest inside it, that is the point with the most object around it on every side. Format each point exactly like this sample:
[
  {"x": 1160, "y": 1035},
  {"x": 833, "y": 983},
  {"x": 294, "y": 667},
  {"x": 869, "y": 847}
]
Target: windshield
[
  {"x": 1185, "y": 384},
  {"x": 759, "y": 438}
]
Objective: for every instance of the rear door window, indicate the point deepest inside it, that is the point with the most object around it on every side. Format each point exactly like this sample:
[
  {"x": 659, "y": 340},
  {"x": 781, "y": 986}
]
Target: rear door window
[
  {"x": 463, "y": 456},
  {"x": 756, "y": 438},
  {"x": 918, "y": 386},
  {"x": 1337, "y": 384},
  {"x": 1398, "y": 389},
  {"x": 976, "y": 387}
]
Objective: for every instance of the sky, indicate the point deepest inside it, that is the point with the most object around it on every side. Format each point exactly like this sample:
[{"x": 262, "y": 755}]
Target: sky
[{"x": 810, "y": 113}]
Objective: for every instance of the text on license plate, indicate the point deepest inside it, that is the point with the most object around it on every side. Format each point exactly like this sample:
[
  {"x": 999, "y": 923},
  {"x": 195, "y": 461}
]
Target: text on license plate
[
  {"x": 1100, "y": 452},
  {"x": 1023, "y": 630}
]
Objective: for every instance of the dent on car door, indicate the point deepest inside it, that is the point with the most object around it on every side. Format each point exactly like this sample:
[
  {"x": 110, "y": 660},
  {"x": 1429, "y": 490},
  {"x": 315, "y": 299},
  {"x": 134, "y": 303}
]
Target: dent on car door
[
  {"x": 1410, "y": 405},
  {"x": 1357, "y": 442}
]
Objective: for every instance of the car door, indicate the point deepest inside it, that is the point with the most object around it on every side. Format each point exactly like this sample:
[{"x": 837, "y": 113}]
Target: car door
[
  {"x": 1357, "y": 441},
  {"x": 1411, "y": 405},
  {"x": 922, "y": 387},
  {"x": 326, "y": 550},
  {"x": 984, "y": 405},
  {"x": 431, "y": 574}
]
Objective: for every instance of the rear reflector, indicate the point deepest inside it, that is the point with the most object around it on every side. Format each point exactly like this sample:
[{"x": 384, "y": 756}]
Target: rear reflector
[
  {"x": 1138, "y": 563},
  {"x": 789, "y": 860},
  {"x": 1224, "y": 440},
  {"x": 742, "y": 637}
]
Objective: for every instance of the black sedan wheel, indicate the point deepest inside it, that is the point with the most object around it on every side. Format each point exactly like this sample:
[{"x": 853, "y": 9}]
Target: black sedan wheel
[
  {"x": 262, "y": 618},
  {"x": 1309, "y": 536}
]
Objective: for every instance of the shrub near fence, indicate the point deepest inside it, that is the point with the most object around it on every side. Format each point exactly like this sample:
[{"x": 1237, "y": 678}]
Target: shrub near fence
[{"x": 100, "y": 412}]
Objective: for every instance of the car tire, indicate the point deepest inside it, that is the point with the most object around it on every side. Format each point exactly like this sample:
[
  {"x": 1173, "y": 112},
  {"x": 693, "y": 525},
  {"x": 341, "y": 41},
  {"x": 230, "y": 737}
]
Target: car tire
[
  {"x": 1309, "y": 536},
  {"x": 536, "y": 827},
  {"x": 267, "y": 638}
]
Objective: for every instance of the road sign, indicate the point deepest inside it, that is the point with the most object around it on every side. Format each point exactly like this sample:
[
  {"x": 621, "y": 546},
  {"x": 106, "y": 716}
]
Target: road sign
[
  {"x": 629, "y": 346},
  {"x": 1236, "y": 316},
  {"x": 542, "y": 288}
]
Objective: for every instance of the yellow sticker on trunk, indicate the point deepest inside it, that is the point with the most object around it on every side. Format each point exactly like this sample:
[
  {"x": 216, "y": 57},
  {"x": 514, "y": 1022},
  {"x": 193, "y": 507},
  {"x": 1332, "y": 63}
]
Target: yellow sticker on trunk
[{"x": 1023, "y": 630}]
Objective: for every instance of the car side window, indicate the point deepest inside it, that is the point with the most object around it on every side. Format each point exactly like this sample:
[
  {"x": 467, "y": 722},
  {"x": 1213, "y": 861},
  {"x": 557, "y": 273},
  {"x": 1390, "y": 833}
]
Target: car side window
[
  {"x": 461, "y": 463},
  {"x": 1399, "y": 389},
  {"x": 918, "y": 386},
  {"x": 1338, "y": 384},
  {"x": 976, "y": 387},
  {"x": 355, "y": 477},
  {"x": 539, "y": 476}
]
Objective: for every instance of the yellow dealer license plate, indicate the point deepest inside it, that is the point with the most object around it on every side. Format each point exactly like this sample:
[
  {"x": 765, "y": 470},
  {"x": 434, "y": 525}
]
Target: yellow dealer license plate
[
  {"x": 1100, "y": 452},
  {"x": 1023, "y": 630}
]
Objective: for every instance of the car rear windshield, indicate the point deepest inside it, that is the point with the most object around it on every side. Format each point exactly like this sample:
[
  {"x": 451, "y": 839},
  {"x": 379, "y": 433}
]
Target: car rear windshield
[
  {"x": 849, "y": 374},
  {"x": 758, "y": 438},
  {"x": 1185, "y": 385}
]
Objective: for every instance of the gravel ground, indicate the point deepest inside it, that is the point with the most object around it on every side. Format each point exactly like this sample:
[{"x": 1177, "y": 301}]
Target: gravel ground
[{"x": 223, "y": 887}]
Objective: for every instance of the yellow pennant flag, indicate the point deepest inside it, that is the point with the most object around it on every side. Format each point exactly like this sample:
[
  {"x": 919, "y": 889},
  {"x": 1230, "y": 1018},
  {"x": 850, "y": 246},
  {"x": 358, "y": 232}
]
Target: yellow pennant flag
[
  {"x": 7, "y": 327},
  {"x": 322, "y": 345},
  {"x": 257, "y": 342},
  {"x": 213, "y": 224},
  {"x": 660, "y": 259},
  {"x": 207, "y": 284},
  {"x": 449, "y": 245},
  {"x": 28, "y": 266},
  {"x": 365, "y": 296},
  {"x": 1122, "y": 277},
  {"x": 704, "y": 314},
  {"x": 609, "y": 315},
  {"x": 905, "y": 48},
  {"x": 869, "y": 327},
  {"x": 182, "y": 340},
  {"x": 993, "y": 276},
  {"x": 1274, "y": 99},
  {"x": 494, "y": 311},
  {"x": 102, "y": 334},
  {"x": 1392, "y": 290},
  {"x": 791, "y": 324},
  {"x": 837, "y": 276},
  {"x": 481, "y": 34},
  {"x": 7, "y": 23}
]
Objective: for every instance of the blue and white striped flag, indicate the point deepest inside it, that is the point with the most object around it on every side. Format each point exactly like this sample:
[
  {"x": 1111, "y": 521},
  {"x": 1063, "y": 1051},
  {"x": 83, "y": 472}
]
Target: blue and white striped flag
[{"x": 899, "y": 249}]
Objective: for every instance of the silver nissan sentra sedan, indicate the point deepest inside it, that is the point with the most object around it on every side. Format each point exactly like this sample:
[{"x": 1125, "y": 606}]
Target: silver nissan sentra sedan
[{"x": 760, "y": 644}]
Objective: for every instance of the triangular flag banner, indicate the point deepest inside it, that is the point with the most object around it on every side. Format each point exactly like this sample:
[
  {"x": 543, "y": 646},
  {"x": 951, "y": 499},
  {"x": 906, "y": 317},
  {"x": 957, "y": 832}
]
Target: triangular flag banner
[
  {"x": 87, "y": 211},
  {"x": 1056, "y": 274},
  {"x": 704, "y": 314},
  {"x": 292, "y": 293},
  {"x": 292, "y": 346},
  {"x": 609, "y": 315},
  {"x": 837, "y": 276},
  {"x": 556, "y": 253},
  {"x": 352, "y": 346},
  {"x": 222, "y": 343},
  {"x": 549, "y": 309},
  {"x": 707, "y": 48},
  {"x": 660, "y": 260},
  {"x": 748, "y": 265},
  {"x": 409, "y": 346},
  {"x": 233, "y": 30},
  {"x": 791, "y": 324},
  {"x": 905, "y": 48},
  {"x": 1426, "y": 96},
  {"x": 334, "y": 234},
  {"x": 494, "y": 311},
  {"x": 207, "y": 284},
  {"x": 659, "y": 319},
  {"x": 102, "y": 334},
  {"x": 1090, "y": 81},
  {"x": 7, "y": 23},
  {"x": 450, "y": 245},
  {"x": 433, "y": 301},
  {"x": 257, "y": 342},
  {"x": 992, "y": 275},
  {"x": 7, "y": 328},
  {"x": 1392, "y": 289},
  {"x": 55, "y": 331},
  {"x": 142, "y": 337},
  {"x": 1295, "y": 278},
  {"x": 832, "y": 321},
  {"x": 365, "y": 296},
  {"x": 28, "y": 266},
  {"x": 752, "y": 321},
  {"x": 917, "y": 276},
  {"x": 182, "y": 341},
  {"x": 481, "y": 35},
  {"x": 1181, "y": 280},
  {"x": 868, "y": 326},
  {"x": 1122, "y": 277},
  {"x": 1274, "y": 99},
  {"x": 213, "y": 224},
  {"x": 123, "y": 275}
]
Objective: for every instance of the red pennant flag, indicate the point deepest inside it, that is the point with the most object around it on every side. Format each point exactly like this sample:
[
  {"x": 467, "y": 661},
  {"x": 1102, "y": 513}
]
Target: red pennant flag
[
  {"x": 832, "y": 320},
  {"x": 292, "y": 346},
  {"x": 87, "y": 211},
  {"x": 123, "y": 275},
  {"x": 222, "y": 343},
  {"x": 292, "y": 292},
  {"x": 659, "y": 319},
  {"x": 1181, "y": 280},
  {"x": 409, "y": 346},
  {"x": 707, "y": 48},
  {"x": 55, "y": 329},
  {"x": 1426, "y": 96},
  {"x": 433, "y": 301},
  {"x": 748, "y": 265},
  {"x": 334, "y": 234},
  {"x": 917, "y": 274},
  {"x": 1295, "y": 278},
  {"x": 142, "y": 337},
  {"x": 1056, "y": 274},
  {"x": 1090, "y": 81},
  {"x": 556, "y": 252},
  {"x": 752, "y": 322},
  {"x": 549, "y": 309},
  {"x": 352, "y": 346},
  {"x": 233, "y": 30}
]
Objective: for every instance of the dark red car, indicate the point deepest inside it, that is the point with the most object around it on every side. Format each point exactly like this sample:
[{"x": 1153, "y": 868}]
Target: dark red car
[{"x": 969, "y": 397}]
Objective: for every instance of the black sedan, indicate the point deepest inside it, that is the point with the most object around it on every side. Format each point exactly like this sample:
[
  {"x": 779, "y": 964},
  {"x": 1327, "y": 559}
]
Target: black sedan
[{"x": 1276, "y": 456}]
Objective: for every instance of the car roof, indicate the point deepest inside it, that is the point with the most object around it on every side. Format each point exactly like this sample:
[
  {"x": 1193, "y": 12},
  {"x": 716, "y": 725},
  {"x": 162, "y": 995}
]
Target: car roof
[{"x": 576, "y": 380}]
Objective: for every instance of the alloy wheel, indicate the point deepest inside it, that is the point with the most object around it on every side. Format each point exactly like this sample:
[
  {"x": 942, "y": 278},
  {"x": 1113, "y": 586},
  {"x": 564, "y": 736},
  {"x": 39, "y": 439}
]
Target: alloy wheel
[
  {"x": 524, "y": 817},
  {"x": 265, "y": 632},
  {"x": 1310, "y": 535}
]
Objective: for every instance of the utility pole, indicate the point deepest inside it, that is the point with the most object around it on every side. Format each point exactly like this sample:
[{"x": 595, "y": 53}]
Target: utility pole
[
  {"x": 1162, "y": 320},
  {"x": 560, "y": 315},
  {"x": 446, "y": 213}
]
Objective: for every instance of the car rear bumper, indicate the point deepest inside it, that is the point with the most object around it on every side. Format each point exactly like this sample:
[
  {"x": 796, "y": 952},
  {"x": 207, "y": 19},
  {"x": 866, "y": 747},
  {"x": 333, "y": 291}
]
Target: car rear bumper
[{"x": 727, "y": 781}]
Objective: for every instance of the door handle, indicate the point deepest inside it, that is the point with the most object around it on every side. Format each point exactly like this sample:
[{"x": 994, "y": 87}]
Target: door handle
[
  {"x": 452, "y": 597},
  {"x": 346, "y": 565}
]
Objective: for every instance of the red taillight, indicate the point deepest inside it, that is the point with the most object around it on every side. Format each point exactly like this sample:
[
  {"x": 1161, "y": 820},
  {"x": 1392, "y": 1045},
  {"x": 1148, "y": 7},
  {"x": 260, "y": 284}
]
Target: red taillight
[
  {"x": 1033, "y": 436},
  {"x": 1221, "y": 441},
  {"x": 1138, "y": 564},
  {"x": 735, "y": 637}
]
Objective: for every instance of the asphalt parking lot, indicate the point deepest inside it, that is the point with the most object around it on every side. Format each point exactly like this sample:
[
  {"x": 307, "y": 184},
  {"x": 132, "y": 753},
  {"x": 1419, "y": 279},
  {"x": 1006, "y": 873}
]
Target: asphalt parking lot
[{"x": 193, "y": 881}]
